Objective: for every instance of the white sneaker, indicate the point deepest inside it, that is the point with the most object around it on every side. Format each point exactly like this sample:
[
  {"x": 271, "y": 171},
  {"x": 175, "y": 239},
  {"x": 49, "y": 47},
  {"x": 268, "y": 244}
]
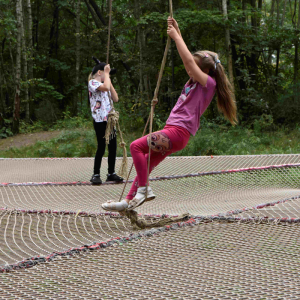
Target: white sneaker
[
  {"x": 115, "y": 206},
  {"x": 140, "y": 197}
]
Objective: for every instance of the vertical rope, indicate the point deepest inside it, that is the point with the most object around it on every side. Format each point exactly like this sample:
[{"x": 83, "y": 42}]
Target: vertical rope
[
  {"x": 113, "y": 116},
  {"x": 144, "y": 132},
  {"x": 108, "y": 45},
  {"x": 109, "y": 29},
  {"x": 155, "y": 99},
  {"x": 154, "y": 102}
]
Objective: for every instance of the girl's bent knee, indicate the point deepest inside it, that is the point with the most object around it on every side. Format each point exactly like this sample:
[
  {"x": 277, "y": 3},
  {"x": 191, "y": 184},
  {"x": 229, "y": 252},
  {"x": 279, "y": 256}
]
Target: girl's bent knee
[{"x": 133, "y": 146}]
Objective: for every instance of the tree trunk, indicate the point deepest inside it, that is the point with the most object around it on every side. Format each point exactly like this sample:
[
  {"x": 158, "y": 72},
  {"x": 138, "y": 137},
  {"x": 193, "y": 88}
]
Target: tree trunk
[
  {"x": 2, "y": 101},
  {"x": 278, "y": 12},
  {"x": 253, "y": 16},
  {"x": 260, "y": 2},
  {"x": 3, "y": 97},
  {"x": 296, "y": 49},
  {"x": 283, "y": 13},
  {"x": 16, "y": 112},
  {"x": 298, "y": 23},
  {"x": 76, "y": 98},
  {"x": 139, "y": 39},
  {"x": 13, "y": 67},
  {"x": 36, "y": 24},
  {"x": 278, "y": 48},
  {"x": 74, "y": 15},
  {"x": 244, "y": 2},
  {"x": 228, "y": 44},
  {"x": 92, "y": 12},
  {"x": 2, "y": 83},
  {"x": 1, "y": 120},
  {"x": 24, "y": 55},
  {"x": 30, "y": 56},
  {"x": 272, "y": 8},
  {"x": 271, "y": 50},
  {"x": 53, "y": 41},
  {"x": 97, "y": 11}
]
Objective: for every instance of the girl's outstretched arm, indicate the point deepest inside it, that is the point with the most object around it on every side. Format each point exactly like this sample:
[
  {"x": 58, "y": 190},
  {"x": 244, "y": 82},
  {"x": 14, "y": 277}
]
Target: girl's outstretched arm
[{"x": 189, "y": 63}]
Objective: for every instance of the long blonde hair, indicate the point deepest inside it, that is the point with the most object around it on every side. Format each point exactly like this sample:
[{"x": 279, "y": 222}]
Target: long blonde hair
[{"x": 226, "y": 100}]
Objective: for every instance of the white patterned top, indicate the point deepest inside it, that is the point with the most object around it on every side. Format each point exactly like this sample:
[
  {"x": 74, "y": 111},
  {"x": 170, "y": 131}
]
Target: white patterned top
[{"x": 99, "y": 101}]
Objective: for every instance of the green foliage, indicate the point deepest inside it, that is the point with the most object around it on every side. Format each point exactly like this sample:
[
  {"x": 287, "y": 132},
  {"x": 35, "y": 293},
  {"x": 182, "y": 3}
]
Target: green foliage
[
  {"x": 211, "y": 140},
  {"x": 5, "y": 131},
  {"x": 44, "y": 90},
  {"x": 29, "y": 127},
  {"x": 220, "y": 140},
  {"x": 287, "y": 107},
  {"x": 264, "y": 123},
  {"x": 267, "y": 94},
  {"x": 68, "y": 122}
]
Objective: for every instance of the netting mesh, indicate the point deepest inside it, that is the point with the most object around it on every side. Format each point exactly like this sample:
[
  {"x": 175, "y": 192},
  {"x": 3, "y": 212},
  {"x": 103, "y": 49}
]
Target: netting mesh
[{"x": 241, "y": 236}]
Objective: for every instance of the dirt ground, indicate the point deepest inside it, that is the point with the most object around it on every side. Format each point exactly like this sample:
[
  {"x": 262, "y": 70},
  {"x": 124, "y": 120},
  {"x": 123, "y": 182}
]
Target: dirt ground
[{"x": 28, "y": 139}]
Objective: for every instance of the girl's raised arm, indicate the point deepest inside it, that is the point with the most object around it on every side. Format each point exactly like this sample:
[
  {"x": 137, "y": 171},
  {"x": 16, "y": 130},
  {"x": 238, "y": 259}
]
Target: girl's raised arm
[
  {"x": 114, "y": 94},
  {"x": 189, "y": 63}
]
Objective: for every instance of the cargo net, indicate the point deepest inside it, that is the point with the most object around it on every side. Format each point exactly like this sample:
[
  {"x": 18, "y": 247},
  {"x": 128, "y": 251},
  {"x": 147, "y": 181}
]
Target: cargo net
[{"x": 230, "y": 216}]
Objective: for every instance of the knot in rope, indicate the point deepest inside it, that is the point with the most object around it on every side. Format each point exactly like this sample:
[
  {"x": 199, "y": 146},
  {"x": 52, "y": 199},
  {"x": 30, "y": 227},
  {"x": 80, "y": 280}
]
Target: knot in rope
[
  {"x": 114, "y": 114},
  {"x": 154, "y": 102},
  {"x": 111, "y": 130},
  {"x": 112, "y": 120},
  {"x": 132, "y": 215}
]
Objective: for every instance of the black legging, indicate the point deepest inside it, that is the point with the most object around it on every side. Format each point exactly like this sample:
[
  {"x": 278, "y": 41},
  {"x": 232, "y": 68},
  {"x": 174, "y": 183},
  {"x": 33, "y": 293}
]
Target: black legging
[{"x": 100, "y": 128}]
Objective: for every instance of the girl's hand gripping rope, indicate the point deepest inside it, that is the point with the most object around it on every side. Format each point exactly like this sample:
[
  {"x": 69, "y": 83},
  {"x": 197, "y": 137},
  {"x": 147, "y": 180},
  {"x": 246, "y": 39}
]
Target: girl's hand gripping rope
[
  {"x": 107, "y": 69},
  {"x": 173, "y": 22},
  {"x": 172, "y": 32}
]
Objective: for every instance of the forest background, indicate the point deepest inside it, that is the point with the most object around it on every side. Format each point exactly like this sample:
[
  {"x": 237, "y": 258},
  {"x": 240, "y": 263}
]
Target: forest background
[{"x": 46, "y": 49}]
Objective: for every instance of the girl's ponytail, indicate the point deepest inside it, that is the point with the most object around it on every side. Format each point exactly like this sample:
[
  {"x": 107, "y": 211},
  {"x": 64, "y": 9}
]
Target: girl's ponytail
[
  {"x": 90, "y": 77},
  {"x": 226, "y": 100}
]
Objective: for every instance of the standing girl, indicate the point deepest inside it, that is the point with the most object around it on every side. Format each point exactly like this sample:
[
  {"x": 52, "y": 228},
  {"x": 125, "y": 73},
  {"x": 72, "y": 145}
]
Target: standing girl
[
  {"x": 101, "y": 91},
  {"x": 207, "y": 76}
]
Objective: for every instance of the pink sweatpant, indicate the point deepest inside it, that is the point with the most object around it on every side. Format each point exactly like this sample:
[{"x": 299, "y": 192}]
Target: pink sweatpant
[{"x": 163, "y": 143}]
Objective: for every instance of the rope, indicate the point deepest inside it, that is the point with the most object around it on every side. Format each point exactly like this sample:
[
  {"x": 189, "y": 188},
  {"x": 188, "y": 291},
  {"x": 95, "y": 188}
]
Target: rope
[
  {"x": 155, "y": 99},
  {"x": 132, "y": 215},
  {"x": 132, "y": 163},
  {"x": 113, "y": 116},
  {"x": 153, "y": 103},
  {"x": 109, "y": 29}
]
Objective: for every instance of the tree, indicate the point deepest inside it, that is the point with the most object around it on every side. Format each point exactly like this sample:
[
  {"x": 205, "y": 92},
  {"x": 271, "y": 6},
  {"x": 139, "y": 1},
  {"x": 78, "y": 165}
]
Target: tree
[
  {"x": 25, "y": 68},
  {"x": 228, "y": 44},
  {"x": 76, "y": 98},
  {"x": 297, "y": 46},
  {"x": 30, "y": 57},
  {"x": 16, "y": 113}
]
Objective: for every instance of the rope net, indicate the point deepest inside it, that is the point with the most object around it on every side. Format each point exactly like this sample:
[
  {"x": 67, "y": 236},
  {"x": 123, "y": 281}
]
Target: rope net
[{"x": 215, "y": 221}]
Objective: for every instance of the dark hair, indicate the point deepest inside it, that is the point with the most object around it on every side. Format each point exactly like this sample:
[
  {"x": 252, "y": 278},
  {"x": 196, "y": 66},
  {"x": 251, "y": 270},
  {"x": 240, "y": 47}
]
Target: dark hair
[{"x": 100, "y": 67}]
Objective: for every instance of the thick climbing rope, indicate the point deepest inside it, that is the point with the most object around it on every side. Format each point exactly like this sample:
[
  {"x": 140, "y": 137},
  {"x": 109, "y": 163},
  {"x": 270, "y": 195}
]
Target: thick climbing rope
[
  {"x": 109, "y": 30},
  {"x": 113, "y": 116},
  {"x": 155, "y": 99},
  {"x": 153, "y": 103}
]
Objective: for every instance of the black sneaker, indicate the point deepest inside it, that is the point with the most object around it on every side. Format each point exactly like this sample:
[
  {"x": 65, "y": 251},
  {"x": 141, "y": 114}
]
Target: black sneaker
[
  {"x": 114, "y": 177},
  {"x": 96, "y": 179}
]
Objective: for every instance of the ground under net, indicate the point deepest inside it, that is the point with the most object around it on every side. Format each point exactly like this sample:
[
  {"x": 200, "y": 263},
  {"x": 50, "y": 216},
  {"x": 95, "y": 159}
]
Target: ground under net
[{"x": 239, "y": 237}]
